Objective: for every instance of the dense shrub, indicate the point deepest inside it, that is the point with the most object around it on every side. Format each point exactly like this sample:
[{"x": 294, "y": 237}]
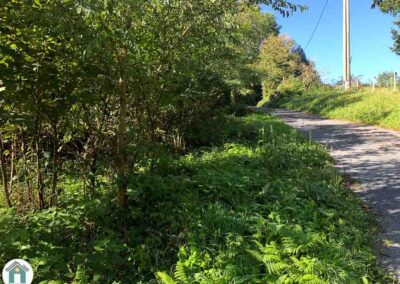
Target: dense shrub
[
  {"x": 290, "y": 87},
  {"x": 263, "y": 206}
]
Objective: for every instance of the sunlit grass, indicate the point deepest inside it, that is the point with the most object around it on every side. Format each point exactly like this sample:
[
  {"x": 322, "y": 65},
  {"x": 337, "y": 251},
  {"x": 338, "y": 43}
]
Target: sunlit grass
[{"x": 379, "y": 107}]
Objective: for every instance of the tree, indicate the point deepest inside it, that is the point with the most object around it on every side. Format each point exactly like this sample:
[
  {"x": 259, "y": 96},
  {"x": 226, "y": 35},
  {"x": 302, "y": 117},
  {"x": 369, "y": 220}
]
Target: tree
[
  {"x": 39, "y": 72},
  {"x": 297, "y": 49},
  {"x": 90, "y": 82},
  {"x": 241, "y": 55},
  {"x": 309, "y": 75},
  {"x": 392, "y": 7},
  {"x": 277, "y": 61},
  {"x": 385, "y": 79}
]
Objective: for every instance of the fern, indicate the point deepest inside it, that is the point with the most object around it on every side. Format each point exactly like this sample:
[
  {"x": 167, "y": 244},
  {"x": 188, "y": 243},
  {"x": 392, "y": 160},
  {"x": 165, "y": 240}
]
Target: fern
[
  {"x": 290, "y": 246},
  {"x": 258, "y": 256},
  {"x": 164, "y": 278},
  {"x": 311, "y": 279},
  {"x": 180, "y": 272},
  {"x": 273, "y": 264}
]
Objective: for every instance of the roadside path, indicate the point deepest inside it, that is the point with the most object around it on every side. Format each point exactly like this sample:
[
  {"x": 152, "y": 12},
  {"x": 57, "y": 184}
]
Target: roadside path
[{"x": 371, "y": 156}]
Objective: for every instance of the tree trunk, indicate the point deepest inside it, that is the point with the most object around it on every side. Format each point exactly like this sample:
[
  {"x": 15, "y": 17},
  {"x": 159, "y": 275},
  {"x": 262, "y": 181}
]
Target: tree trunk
[
  {"x": 26, "y": 172},
  {"x": 121, "y": 138},
  {"x": 3, "y": 168},
  {"x": 93, "y": 170},
  {"x": 121, "y": 146},
  {"x": 39, "y": 180},
  {"x": 54, "y": 176},
  {"x": 12, "y": 161}
]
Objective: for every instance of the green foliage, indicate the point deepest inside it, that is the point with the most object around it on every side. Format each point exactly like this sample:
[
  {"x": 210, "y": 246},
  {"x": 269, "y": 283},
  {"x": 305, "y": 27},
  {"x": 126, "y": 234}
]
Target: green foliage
[
  {"x": 380, "y": 107},
  {"x": 240, "y": 109},
  {"x": 263, "y": 206},
  {"x": 113, "y": 83},
  {"x": 284, "y": 69},
  {"x": 386, "y": 79},
  {"x": 277, "y": 61},
  {"x": 164, "y": 278},
  {"x": 292, "y": 229},
  {"x": 118, "y": 161},
  {"x": 392, "y": 7},
  {"x": 290, "y": 87}
]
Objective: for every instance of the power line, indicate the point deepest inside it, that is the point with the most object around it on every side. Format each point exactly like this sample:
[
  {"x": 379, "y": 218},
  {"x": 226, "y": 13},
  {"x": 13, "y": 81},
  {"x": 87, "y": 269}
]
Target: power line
[{"x": 316, "y": 27}]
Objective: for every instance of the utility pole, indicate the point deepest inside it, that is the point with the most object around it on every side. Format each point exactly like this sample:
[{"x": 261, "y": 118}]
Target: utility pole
[
  {"x": 346, "y": 45},
  {"x": 394, "y": 81}
]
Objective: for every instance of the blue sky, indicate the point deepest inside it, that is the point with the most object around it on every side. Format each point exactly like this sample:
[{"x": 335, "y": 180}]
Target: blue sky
[{"x": 370, "y": 38}]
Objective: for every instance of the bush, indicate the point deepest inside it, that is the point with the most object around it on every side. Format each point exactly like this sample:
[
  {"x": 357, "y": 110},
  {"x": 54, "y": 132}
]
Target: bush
[
  {"x": 290, "y": 87},
  {"x": 240, "y": 109},
  {"x": 266, "y": 206},
  {"x": 273, "y": 211}
]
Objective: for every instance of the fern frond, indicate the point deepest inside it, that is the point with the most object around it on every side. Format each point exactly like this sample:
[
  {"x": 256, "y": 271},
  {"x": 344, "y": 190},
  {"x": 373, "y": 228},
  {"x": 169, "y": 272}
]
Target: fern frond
[
  {"x": 275, "y": 267},
  {"x": 273, "y": 264},
  {"x": 258, "y": 256},
  {"x": 180, "y": 272},
  {"x": 164, "y": 278},
  {"x": 311, "y": 279}
]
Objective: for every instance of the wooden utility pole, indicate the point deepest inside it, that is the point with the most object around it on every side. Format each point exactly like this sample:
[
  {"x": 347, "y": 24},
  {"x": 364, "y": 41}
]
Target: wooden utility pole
[
  {"x": 346, "y": 45},
  {"x": 394, "y": 81}
]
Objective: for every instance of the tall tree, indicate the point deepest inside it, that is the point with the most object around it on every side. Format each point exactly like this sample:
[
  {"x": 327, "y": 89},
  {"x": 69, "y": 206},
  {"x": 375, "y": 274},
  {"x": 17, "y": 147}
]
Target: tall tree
[
  {"x": 278, "y": 61},
  {"x": 392, "y": 7}
]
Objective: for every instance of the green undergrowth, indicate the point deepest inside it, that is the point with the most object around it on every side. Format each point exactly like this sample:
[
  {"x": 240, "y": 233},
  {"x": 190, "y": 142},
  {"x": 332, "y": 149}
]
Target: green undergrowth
[
  {"x": 265, "y": 206},
  {"x": 381, "y": 108}
]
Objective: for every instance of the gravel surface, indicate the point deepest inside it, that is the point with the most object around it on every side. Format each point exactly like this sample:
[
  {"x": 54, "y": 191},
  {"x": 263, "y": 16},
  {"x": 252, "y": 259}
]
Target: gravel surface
[{"x": 371, "y": 156}]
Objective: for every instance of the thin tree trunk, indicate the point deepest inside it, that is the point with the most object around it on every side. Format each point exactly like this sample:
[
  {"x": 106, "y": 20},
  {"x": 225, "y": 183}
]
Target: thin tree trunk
[
  {"x": 93, "y": 164},
  {"x": 3, "y": 168},
  {"x": 36, "y": 145},
  {"x": 12, "y": 161},
  {"x": 121, "y": 140},
  {"x": 54, "y": 176},
  {"x": 93, "y": 169},
  {"x": 26, "y": 172},
  {"x": 84, "y": 185},
  {"x": 121, "y": 146},
  {"x": 39, "y": 180}
]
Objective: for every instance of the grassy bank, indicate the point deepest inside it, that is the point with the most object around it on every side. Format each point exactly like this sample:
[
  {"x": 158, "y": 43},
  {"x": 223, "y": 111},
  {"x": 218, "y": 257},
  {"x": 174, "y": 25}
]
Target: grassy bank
[
  {"x": 381, "y": 107},
  {"x": 263, "y": 206}
]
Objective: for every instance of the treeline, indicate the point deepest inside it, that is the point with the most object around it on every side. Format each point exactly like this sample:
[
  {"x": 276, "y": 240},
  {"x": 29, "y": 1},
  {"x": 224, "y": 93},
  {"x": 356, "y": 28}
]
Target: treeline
[
  {"x": 102, "y": 88},
  {"x": 285, "y": 69}
]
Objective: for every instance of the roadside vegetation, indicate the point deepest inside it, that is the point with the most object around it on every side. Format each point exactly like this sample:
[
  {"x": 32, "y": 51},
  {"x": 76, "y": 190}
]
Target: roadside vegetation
[
  {"x": 380, "y": 107},
  {"x": 262, "y": 205},
  {"x": 126, "y": 155}
]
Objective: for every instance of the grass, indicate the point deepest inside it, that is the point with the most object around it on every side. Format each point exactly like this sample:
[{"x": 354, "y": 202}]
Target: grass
[
  {"x": 381, "y": 108},
  {"x": 265, "y": 206}
]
